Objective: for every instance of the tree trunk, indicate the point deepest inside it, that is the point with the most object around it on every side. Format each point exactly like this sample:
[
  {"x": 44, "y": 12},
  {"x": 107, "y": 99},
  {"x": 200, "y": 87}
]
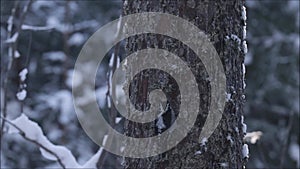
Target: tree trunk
[{"x": 222, "y": 22}]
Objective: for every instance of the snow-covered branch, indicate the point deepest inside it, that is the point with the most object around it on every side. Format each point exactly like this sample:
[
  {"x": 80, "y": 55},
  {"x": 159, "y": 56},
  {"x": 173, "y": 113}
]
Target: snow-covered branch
[
  {"x": 36, "y": 28},
  {"x": 32, "y": 132}
]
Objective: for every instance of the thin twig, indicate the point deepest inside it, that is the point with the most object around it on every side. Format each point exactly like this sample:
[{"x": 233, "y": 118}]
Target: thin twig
[
  {"x": 66, "y": 36},
  {"x": 10, "y": 60},
  {"x": 285, "y": 141}
]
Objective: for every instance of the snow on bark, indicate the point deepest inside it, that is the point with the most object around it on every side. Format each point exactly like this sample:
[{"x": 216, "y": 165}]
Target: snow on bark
[
  {"x": 245, "y": 47},
  {"x": 244, "y": 125},
  {"x": 245, "y": 151},
  {"x": 244, "y": 74},
  {"x": 160, "y": 124},
  {"x": 228, "y": 97},
  {"x": 229, "y": 138},
  {"x": 244, "y": 14},
  {"x": 204, "y": 141},
  {"x": 244, "y": 18},
  {"x": 198, "y": 152},
  {"x": 234, "y": 38}
]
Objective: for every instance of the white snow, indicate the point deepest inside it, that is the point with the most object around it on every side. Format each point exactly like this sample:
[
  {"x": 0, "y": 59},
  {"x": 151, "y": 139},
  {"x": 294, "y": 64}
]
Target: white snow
[
  {"x": 55, "y": 56},
  {"x": 118, "y": 119},
  {"x": 236, "y": 129},
  {"x": 123, "y": 162},
  {"x": 118, "y": 27},
  {"x": 225, "y": 164},
  {"x": 30, "y": 129},
  {"x": 244, "y": 32},
  {"x": 74, "y": 78},
  {"x": 65, "y": 102},
  {"x": 101, "y": 95},
  {"x": 36, "y": 28},
  {"x": 13, "y": 38},
  {"x": 125, "y": 2},
  {"x": 10, "y": 23},
  {"x": 76, "y": 39},
  {"x": 25, "y": 8},
  {"x": 87, "y": 96},
  {"x": 47, "y": 155},
  {"x": 40, "y": 4},
  {"x": 108, "y": 102},
  {"x": 92, "y": 163},
  {"x": 55, "y": 133},
  {"x": 204, "y": 141},
  {"x": 111, "y": 60},
  {"x": 54, "y": 22},
  {"x": 244, "y": 44},
  {"x": 21, "y": 95},
  {"x": 245, "y": 47},
  {"x": 229, "y": 138},
  {"x": 245, "y": 151},
  {"x": 228, "y": 97},
  {"x": 160, "y": 123},
  {"x": 294, "y": 152},
  {"x": 244, "y": 125},
  {"x": 235, "y": 38},
  {"x": 23, "y": 74},
  {"x": 120, "y": 95},
  {"x": 17, "y": 54},
  {"x": 61, "y": 101},
  {"x": 198, "y": 152},
  {"x": 85, "y": 24},
  {"x": 104, "y": 139},
  {"x": 110, "y": 75},
  {"x": 244, "y": 14},
  {"x": 244, "y": 73},
  {"x": 253, "y": 137},
  {"x": 122, "y": 149},
  {"x": 33, "y": 132}
]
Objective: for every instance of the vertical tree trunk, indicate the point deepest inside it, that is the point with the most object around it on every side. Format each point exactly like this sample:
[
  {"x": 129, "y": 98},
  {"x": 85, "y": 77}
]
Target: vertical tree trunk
[{"x": 222, "y": 22}]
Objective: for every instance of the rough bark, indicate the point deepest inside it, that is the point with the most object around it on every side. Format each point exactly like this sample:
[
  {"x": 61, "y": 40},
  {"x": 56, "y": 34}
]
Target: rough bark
[{"x": 217, "y": 19}]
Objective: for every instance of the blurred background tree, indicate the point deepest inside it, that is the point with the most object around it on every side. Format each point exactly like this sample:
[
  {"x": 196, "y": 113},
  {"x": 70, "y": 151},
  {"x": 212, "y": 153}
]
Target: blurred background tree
[
  {"x": 272, "y": 91},
  {"x": 272, "y": 78},
  {"x": 50, "y": 54}
]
